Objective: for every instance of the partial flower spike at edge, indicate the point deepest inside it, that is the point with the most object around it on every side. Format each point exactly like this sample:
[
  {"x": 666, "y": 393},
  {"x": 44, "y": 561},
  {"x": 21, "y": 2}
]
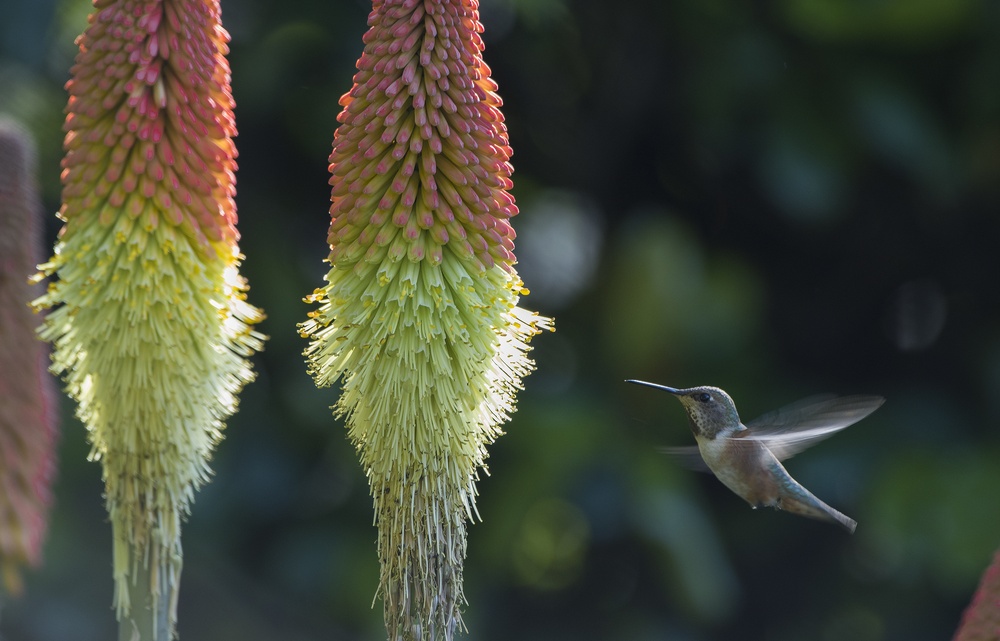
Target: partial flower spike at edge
[
  {"x": 28, "y": 414},
  {"x": 149, "y": 323},
  {"x": 419, "y": 317}
]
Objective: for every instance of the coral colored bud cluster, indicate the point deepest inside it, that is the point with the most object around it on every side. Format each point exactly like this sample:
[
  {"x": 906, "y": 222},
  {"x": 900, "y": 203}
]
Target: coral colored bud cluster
[
  {"x": 149, "y": 322},
  {"x": 419, "y": 316},
  {"x": 149, "y": 123},
  {"x": 421, "y": 161}
]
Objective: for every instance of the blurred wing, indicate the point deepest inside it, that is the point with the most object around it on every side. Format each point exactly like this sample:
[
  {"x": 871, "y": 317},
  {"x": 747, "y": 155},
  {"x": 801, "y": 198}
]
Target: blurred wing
[
  {"x": 793, "y": 428},
  {"x": 688, "y": 456}
]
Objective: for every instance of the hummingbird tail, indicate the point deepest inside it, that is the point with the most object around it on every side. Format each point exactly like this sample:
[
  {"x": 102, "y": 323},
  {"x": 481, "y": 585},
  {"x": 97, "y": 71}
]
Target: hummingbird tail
[{"x": 816, "y": 509}]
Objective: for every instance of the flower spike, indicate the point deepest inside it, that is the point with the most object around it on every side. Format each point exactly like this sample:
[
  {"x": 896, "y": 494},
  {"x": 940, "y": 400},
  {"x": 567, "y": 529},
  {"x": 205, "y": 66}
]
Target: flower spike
[
  {"x": 28, "y": 415},
  {"x": 149, "y": 321},
  {"x": 419, "y": 316}
]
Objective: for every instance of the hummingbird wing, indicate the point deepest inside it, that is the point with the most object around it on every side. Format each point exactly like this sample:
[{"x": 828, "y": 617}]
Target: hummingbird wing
[
  {"x": 688, "y": 455},
  {"x": 793, "y": 428},
  {"x": 789, "y": 430}
]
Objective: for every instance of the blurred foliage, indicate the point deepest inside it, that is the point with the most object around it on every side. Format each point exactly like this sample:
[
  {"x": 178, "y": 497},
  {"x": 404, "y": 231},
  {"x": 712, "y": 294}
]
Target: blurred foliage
[{"x": 779, "y": 198}]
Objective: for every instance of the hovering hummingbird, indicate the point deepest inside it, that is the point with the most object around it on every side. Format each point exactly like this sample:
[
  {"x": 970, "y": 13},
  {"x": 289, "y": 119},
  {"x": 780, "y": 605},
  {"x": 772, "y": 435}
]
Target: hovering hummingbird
[{"x": 747, "y": 458}]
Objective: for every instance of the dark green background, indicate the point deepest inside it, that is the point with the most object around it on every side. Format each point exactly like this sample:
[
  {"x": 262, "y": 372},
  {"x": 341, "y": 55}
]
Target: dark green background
[{"x": 779, "y": 198}]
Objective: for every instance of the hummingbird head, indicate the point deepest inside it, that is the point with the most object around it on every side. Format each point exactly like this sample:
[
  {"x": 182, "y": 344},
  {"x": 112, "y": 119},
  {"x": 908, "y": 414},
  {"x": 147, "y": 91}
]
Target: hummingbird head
[{"x": 709, "y": 409}]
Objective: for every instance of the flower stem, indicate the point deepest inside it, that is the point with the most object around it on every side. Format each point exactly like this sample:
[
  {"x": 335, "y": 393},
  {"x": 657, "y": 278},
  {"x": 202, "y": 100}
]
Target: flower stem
[{"x": 149, "y": 617}]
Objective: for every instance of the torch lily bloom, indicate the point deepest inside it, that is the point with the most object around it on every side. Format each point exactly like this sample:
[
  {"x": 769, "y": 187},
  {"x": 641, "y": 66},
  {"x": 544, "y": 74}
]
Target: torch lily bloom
[
  {"x": 981, "y": 620},
  {"x": 27, "y": 392},
  {"x": 419, "y": 316},
  {"x": 149, "y": 321}
]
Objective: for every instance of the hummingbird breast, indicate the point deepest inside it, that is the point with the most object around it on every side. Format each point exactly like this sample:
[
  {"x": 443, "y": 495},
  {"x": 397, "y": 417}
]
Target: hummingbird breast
[{"x": 745, "y": 467}]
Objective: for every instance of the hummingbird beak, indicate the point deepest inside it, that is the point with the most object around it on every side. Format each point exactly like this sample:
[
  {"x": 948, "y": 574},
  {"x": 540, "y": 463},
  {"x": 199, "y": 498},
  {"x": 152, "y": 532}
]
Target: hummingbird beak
[{"x": 672, "y": 390}]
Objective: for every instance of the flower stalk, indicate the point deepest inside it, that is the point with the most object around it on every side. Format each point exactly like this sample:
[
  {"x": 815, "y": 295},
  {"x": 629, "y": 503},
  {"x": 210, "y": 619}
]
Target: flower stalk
[
  {"x": 419, "y": 316},
  {"x": 149, "y": 323}
]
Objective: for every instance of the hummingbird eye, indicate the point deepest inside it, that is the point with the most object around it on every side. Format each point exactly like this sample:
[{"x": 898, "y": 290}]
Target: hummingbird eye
[{"x": 704, "y": 397}]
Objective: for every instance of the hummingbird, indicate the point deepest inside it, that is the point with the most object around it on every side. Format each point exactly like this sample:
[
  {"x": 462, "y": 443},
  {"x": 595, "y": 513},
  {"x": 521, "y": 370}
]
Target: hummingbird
[{"x": 747, "y": 457}]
